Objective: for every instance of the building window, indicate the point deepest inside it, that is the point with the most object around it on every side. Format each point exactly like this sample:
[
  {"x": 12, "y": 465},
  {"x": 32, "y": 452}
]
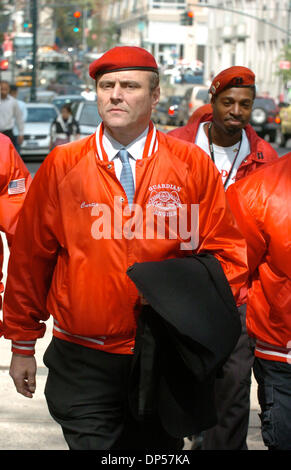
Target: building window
[{"x": 168, "y": 3}]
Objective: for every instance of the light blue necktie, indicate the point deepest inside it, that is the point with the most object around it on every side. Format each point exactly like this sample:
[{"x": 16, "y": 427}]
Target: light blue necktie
[{"x": 126, "y": 177}]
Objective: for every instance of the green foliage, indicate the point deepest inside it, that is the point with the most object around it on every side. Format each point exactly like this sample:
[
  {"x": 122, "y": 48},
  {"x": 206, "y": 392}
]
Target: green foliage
[
  {"x": 107, "y": 35},
  {"x": 285, "y": 55}
]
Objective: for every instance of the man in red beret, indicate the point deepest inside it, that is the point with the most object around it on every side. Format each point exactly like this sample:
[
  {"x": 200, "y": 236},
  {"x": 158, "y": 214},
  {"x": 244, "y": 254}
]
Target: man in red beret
[
  {"x": 85, "y": 222},
  {"x": 222, "y": 130}
]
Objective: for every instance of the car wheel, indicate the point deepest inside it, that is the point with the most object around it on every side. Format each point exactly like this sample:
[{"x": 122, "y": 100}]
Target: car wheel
[{"x": 259, "y": 116}]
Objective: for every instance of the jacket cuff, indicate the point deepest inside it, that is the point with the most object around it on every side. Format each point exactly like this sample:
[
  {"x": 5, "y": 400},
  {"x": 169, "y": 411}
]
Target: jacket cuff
[{"x": 26, "y": 348}]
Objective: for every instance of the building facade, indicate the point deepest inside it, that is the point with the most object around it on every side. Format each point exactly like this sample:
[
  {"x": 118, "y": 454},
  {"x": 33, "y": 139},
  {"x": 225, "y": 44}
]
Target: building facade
[
  {"x": 155, "y": 25},
  {"x": 252, "y": 33}
]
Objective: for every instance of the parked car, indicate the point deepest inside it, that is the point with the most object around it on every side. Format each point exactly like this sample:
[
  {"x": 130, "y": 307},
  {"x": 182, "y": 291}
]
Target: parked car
[
  {"x": 45, "y": 96},
  {"x": 42, "y": 95},
  {"x": 166, "y": 111},
  {"x": 285, "y": 130},
  {"x": 70, "y": 78},
  {"x": 265, "y": 118},
  {"x": 193, "y": 98},
  {"x": 64, "y": 89},
  {"x": 37, "y": 129},
  {"x": 86, "y": 114},
  {"x": 60, "y": 100},
  {"x": 67, "y": 83},
  {"x": 190, "y": 77}
]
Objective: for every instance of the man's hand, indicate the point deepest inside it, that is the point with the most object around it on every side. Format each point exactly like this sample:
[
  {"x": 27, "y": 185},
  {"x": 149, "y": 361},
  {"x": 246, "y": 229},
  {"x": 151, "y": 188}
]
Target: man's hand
[
  {"x": 143, "y": 300},
  {"x": 20, "y": 139},
  {"x": 23, "y": 372}
]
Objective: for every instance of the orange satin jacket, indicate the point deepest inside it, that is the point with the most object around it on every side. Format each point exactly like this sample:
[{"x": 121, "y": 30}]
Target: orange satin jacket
[
  {"x": 14, "y": 183},
  {"x": 261, "y": 203},
  {"x": 73, "y": 245}
]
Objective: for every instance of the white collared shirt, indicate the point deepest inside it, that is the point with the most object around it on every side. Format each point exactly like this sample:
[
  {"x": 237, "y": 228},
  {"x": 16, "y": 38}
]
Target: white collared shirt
[
  {"x": 10, "y": 115},
  {"x": 135, "y": 149}
]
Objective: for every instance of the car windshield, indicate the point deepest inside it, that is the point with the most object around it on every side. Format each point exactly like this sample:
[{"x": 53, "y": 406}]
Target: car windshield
[
  {"x": 175, "y": 100},
  {"x": 44, "y": 114},
  {"x": 266, "y": 103},
  {"x": 89, "y": 115},
  {"x": 202, "y": 95}
]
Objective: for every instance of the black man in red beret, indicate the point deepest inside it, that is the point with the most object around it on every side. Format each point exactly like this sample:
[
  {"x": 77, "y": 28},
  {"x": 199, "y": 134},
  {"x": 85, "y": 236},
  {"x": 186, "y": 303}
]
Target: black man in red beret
[{"x": 221, "y": 128}]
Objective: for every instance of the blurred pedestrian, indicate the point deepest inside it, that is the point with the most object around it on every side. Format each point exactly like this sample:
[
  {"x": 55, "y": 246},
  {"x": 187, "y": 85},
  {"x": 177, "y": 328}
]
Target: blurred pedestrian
[
  {"x": 225, "y": 134},
  {"x": 68, "y": 263},
  {"x": 22, "y": 106},
  {"x": 14, "y": 183},
  {"x": 261, "y": 204},
  {"x": 64, "y": 128},
  {"x": 89, "y": 94},
  {"x": 10, "y": 115}
]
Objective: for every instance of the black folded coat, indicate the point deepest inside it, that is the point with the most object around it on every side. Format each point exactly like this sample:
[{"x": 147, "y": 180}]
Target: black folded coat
[{"x": 184, "y": 336}]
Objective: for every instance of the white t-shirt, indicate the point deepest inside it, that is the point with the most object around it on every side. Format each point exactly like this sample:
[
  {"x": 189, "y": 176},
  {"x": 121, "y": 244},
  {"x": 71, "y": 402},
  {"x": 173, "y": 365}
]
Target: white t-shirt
[{"x": 224, "y": 156}]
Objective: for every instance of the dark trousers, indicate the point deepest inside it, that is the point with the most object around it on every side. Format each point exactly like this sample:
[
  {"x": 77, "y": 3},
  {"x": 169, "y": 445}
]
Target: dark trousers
[
  {"x": 274, "y": 394},
  {"x": 232, "y": 397},
  {"x": 11, "y": 136},
  {"x": 86, "y": 393}
]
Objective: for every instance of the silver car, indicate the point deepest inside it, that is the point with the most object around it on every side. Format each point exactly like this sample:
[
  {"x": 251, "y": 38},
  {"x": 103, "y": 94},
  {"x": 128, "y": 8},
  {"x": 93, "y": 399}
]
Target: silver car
[
  {"x": 37, "y": 129},
  {"x": 86, "y": 114}
]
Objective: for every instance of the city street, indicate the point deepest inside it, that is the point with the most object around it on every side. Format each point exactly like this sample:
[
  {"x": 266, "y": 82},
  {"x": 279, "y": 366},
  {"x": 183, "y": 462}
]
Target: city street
[{"x": 25, "y": 424}]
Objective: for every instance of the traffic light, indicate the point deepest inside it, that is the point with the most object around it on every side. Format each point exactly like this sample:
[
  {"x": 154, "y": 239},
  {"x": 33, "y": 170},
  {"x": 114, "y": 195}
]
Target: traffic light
[
  {"x": 77, "y": 15},
  {"x": 71, "y": 19},
  {"x": 190, "y": 17},
  {"x": 186, "y": 18}
]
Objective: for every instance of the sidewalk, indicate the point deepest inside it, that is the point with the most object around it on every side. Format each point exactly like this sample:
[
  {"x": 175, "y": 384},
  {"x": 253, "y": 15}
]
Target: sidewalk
[{"x": 25, "y": 424}]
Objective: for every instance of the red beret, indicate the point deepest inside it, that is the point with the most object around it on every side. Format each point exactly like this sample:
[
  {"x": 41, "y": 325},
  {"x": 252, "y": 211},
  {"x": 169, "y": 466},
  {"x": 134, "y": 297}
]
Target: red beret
[
  {"x": 123, "y": 58},
  {"x": 235, "y": 76}
]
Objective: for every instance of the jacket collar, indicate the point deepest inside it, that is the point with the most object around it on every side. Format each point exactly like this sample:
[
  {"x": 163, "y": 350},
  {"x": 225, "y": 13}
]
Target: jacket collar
[
  {"x": 151, "y": 144},
  {"x": 255, "y": 141}
]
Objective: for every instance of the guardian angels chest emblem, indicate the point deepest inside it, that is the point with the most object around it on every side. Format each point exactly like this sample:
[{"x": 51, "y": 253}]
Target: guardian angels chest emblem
[{"x": 165, "y": 199}]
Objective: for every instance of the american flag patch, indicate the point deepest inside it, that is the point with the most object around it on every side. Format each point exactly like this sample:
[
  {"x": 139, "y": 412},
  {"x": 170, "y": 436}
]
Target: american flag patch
[{"x": 16, "y": 186}]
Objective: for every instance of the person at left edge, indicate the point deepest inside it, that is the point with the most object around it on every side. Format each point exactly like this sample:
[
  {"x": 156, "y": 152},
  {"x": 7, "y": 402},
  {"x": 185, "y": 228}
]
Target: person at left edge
[
  {"x": 22, "y": 105},
  {"x": 75, "y": 228},
  {"x": 10, "y": 115},
  {"x": 15, "y": 180}
]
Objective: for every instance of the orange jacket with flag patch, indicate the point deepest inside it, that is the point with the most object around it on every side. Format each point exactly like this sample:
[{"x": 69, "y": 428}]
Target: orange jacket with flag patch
[
  {"x": 261, "y": 204},
  {"x": 75, "y": 239},
  {"x": 14, "y": 183}
]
